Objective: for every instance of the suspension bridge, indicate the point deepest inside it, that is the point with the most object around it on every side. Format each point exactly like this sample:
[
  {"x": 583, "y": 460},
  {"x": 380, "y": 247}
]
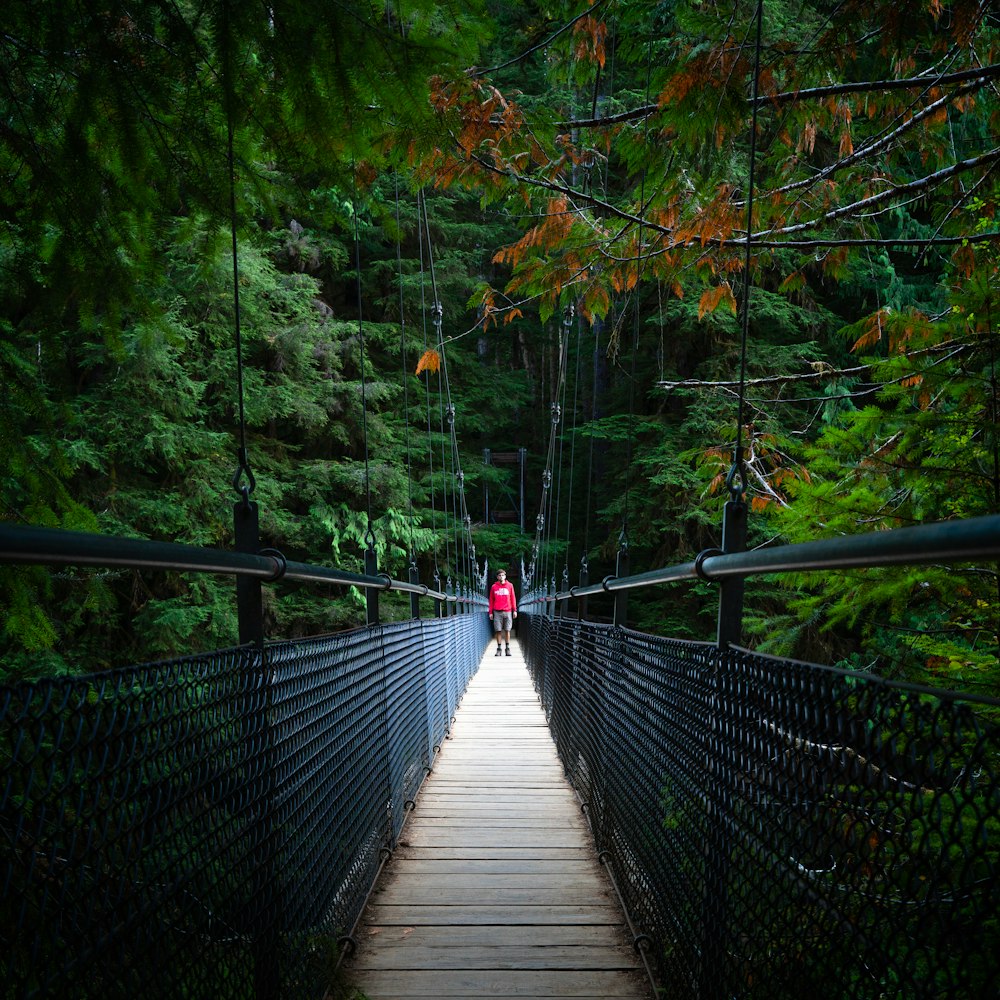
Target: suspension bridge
[{"x": 387, "y": 813}]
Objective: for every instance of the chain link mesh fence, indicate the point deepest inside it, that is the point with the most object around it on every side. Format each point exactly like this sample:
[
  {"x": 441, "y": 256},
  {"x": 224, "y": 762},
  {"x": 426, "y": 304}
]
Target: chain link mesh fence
[
  {"x": 779, "y": 829},
  {"x": 209, "y": 827}
]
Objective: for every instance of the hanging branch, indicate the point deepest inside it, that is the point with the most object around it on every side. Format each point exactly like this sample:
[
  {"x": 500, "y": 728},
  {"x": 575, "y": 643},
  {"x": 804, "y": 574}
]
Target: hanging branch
[{"x": 978, "y": 75}]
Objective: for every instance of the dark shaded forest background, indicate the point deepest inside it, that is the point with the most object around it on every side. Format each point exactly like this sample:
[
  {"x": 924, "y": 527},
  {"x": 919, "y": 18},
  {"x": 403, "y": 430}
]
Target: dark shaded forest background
[{"x": 554, "y": 174}]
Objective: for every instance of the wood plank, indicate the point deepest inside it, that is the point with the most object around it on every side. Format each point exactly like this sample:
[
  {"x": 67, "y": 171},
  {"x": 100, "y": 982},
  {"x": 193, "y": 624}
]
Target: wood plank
[
  {"x": 433, "y": 882},
  {"x": 492, "y": 866},
  {"x": 463, "y": 916},
  {"x": 521, "y": 956},
  {"x": 486, "y": 935},
  {"x": 403, "y": 892},
  {"x": 506, "y": 853},
  {"x": 492, "y": 983}
]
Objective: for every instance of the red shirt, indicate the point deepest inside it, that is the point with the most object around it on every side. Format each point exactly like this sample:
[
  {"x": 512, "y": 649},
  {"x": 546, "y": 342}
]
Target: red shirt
[{"x": 502, "y": 597}]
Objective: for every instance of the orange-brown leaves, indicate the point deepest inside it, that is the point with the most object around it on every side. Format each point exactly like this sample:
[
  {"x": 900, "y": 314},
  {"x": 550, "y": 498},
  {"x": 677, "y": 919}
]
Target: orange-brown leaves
[
  {"x": 712, "y": 298},
  {"x": 590, "y": 34},
  {"x": 430, "y": 361},
  {"x": 550, "y": 232},
  {"x": 902, "y": 330}
]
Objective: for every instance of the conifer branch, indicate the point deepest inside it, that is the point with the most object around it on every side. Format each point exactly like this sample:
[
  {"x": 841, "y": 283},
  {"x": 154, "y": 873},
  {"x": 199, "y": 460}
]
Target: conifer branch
[
  {"x": 979, "y": 75},
  {"x": 894, "y": 191},
  {"x": 864, "y": 152}
]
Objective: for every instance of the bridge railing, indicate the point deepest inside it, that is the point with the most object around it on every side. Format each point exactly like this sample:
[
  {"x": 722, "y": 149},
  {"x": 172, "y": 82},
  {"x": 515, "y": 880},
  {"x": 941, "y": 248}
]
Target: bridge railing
[
  {"x": 47, "y": 546},
  {"x": 210, "y": 827},
  {"x": 779, "y": 829},
  {"x": 944, "y": 541}
]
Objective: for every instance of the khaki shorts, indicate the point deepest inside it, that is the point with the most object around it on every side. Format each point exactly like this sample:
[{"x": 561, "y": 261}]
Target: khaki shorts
[{"x": 503, "y": 621}]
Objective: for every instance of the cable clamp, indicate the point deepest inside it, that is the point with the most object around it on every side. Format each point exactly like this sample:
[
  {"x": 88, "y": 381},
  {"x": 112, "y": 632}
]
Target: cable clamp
[
  {"x": 387, "y": 579},
  {"x": 610, "y": 578},
  {"x": 699, "y": 560},
  {"x": 737, "y": 472},
  {"x": 280, "y": 559},
  {"x": 243, "y": 468}
]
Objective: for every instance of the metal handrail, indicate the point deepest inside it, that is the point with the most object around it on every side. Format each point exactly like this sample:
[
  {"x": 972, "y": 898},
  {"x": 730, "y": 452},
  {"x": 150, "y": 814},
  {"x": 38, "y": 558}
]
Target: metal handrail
[
  {"x": 52, "y": 546},
  {"x": 942, "y": 541}
]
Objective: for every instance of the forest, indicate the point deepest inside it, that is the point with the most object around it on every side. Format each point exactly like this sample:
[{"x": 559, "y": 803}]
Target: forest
[{"x": 342, "y": 251}]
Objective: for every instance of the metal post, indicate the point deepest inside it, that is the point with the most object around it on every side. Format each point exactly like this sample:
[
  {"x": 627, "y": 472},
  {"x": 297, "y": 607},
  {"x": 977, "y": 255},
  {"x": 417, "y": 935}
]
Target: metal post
[
  {"x": 249, "y": 599},
  {"x": 437, "y": 600},
  {"x": 734, "y": 539},
  {"x": 487, "y": 460},
  {"x": 414, "y": 598},
  {"x": 584, "y": 582},
  {"x": 522, "y": 459},
  {"x": 371, "y": 594},
  {"x": 564, "y": 603},
  {"x": 621, "y": 597},
  {"x": 266, "y": 921}
]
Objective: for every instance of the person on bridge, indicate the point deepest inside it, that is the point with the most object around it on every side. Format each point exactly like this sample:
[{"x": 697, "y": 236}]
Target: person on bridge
[{"x": 503, "y": 608}]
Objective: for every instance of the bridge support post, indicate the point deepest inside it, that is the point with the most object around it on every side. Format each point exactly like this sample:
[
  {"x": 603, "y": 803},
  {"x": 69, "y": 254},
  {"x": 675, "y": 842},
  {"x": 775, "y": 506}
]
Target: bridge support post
[
  {"x": 621, "y": 598},
  {"x": 414, "y": 598},
  {"x": 371, "y": 595},
  {"x": 734, "y": 539},
  {"x": 584, "y": 582},
  {"x": 249, "y": 598},
  {"x": 266, "y": 921}
]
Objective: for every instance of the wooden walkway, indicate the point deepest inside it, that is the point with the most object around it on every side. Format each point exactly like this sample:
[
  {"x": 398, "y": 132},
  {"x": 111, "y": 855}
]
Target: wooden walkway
[{"x": 495, "y": 890}]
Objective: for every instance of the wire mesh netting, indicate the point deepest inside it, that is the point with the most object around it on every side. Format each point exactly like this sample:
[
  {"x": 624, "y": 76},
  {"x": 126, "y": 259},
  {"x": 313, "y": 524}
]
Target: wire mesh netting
[
  {"x": 779, "y": 829},
  {"x": 209, "y": 827}
]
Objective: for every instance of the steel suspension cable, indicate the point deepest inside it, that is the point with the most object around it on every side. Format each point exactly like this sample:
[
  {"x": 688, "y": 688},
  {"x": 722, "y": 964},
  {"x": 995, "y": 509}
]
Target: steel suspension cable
[
  {"x": 404, "y": 374},
  {"x": 564, "y": 364},
  {"x": 242, "y": 456},
  {"x": 437, "y": 318},
  {"x": 369, "y": 531},
  {"x": 541, "y": 534},
  {"x": 572, "y": 459},
  {"x": 590, "y": 459},
  {"x": 623, "y": 540},
  {"x": 460, "y": 515},
  {"x": 427, "y": 394},
  {"x": 736, "y": 480}
]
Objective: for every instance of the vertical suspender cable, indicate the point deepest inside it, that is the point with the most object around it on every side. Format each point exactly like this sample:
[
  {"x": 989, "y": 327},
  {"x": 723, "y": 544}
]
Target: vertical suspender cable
[
  {"x": 622, "y": 567},
  {"x": 364, "y": 390},
  {"x": 461, "y": 522},
  {"x": 413, "y": 572},
  {"x": 427, "y": 394},
  {"x": 572, "y": 462},
  {"x": 371, "y": 560},
  {"x": 736, "y": 489},
  {"x": 734, "y": 518},
  {"x": 243, "y": 459},
  {"x": 405, "y": 375},
  {"x": 436, "y": 320}
]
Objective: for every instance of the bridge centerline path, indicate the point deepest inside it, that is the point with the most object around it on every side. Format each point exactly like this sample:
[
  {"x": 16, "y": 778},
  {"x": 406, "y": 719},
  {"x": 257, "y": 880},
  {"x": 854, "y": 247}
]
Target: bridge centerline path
[{"x": 495, "y": 889}]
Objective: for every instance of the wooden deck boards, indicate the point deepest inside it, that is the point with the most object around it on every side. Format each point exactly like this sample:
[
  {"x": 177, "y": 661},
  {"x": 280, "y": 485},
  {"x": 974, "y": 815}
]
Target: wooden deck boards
[{"x": 495, "y": 890}]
